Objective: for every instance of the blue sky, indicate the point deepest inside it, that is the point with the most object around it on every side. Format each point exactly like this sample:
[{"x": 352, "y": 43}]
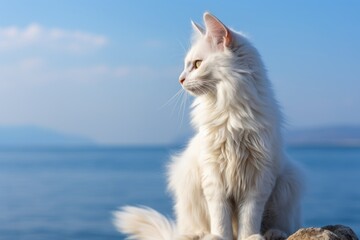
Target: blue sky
[{"x": 105, "y": 69}]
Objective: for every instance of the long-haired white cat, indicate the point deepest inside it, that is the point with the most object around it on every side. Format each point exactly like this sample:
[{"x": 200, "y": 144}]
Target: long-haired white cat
[{"x": 234, "y": 180}]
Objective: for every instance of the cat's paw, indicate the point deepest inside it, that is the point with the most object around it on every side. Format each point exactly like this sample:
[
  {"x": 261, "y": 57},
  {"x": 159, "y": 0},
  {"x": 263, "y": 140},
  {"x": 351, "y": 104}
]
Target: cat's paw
[
  {"x": 275, "y": 234},
  {"x": 255, "y": 237}
]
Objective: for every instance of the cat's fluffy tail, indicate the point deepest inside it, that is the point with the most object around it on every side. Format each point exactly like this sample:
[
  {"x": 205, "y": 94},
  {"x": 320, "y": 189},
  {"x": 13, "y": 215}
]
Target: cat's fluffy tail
[{"x": 144, "y": 224}]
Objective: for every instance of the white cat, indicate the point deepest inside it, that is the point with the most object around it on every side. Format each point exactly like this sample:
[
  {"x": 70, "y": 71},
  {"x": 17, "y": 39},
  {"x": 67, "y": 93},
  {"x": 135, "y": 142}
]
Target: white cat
[{"x": 234, "y": 180}]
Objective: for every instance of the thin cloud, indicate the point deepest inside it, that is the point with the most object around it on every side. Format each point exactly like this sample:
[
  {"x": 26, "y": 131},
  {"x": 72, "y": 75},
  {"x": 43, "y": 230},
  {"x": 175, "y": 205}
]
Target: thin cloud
[
  {"x": 31, "y": 63},
  {"x": 102, "y": 72},
  {"x": 38, "y": 70},
  {"x": 36, "y": 35}
]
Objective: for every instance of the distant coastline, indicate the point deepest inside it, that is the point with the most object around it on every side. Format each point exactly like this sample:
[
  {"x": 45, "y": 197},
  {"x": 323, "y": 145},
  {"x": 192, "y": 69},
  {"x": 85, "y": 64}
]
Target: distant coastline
[
  {"x": 30, "y": 138},
  {"x": 35, "y": 137},
  {"x": 331, "y": 136},
  {"x": 323, "y": 146},
  {"x": 313, "y": 137}
]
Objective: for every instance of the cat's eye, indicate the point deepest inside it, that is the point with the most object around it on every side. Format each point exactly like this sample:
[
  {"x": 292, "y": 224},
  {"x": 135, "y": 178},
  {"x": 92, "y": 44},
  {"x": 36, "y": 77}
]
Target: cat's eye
[{"x": 197, "y": 63}]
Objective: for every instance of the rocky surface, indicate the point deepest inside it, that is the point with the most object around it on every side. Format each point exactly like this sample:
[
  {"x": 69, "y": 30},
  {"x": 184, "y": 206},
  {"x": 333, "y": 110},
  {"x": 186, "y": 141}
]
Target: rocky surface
[{"x": 330, "y": 232}]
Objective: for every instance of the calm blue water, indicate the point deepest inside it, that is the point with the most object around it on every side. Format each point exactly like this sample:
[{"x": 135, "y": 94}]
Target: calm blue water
[{"x": 70, "y": 194}]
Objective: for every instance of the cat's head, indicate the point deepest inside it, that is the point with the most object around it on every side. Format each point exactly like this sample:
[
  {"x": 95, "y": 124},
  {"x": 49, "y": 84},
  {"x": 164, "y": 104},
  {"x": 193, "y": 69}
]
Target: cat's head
[{"x": 217, "y": 53}]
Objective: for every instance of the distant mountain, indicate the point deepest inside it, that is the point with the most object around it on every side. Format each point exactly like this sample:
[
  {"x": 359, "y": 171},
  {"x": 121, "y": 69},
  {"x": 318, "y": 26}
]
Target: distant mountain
[
  {"x": 324, "y": 136},
  {"x": 32, "y": 136}
]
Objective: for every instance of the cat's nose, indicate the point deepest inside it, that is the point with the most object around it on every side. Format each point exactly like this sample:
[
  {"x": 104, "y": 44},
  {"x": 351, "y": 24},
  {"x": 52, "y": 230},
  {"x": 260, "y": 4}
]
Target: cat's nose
[
  {"x": 181, "y": 81},
  {"x": 182, "y": 77}
]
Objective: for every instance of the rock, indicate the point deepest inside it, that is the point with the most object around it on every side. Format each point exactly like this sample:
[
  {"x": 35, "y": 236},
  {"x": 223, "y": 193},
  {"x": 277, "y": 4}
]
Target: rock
[
  {"x": 343, "y": 232},
  {"x": 313, "y": 233},
  {"x": 330, "y": 232}
]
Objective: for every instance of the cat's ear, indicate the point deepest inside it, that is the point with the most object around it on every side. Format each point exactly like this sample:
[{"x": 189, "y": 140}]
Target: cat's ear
[
  {"x": 217, "y": 31},
  {"x": 197, "y": 28}
]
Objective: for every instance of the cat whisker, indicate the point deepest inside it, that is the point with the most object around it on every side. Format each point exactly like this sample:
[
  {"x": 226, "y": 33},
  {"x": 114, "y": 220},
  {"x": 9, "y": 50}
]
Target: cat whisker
[
  {"x": 182, "y": 46},
  {"x": 180, "y": 96},
  {"x": 175, "y": 96},
  {"x": 183, "y": 106}
]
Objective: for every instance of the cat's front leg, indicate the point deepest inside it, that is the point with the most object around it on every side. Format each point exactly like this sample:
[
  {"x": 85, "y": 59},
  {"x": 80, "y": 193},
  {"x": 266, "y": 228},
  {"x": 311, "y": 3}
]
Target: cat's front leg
[
  {"x": 250, "y": 217},
  {"x": 252, "y": 209},
  {"x": 218, "y": 207},
  {"x": 220, "y": 218}
]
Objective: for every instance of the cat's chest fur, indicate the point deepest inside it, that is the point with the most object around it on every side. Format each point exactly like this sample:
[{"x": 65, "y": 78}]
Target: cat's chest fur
[{"x": 233, "y": 155}]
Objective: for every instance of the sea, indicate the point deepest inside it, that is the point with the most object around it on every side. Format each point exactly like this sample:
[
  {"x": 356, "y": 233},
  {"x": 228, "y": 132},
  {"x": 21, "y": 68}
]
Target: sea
[{"x": 71, "y": 193}]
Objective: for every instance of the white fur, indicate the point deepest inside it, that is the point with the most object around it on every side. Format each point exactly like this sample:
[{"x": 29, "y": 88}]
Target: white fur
[
  {"x": 143, "y": 223},
  {"x": 233, "y": 181}
]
